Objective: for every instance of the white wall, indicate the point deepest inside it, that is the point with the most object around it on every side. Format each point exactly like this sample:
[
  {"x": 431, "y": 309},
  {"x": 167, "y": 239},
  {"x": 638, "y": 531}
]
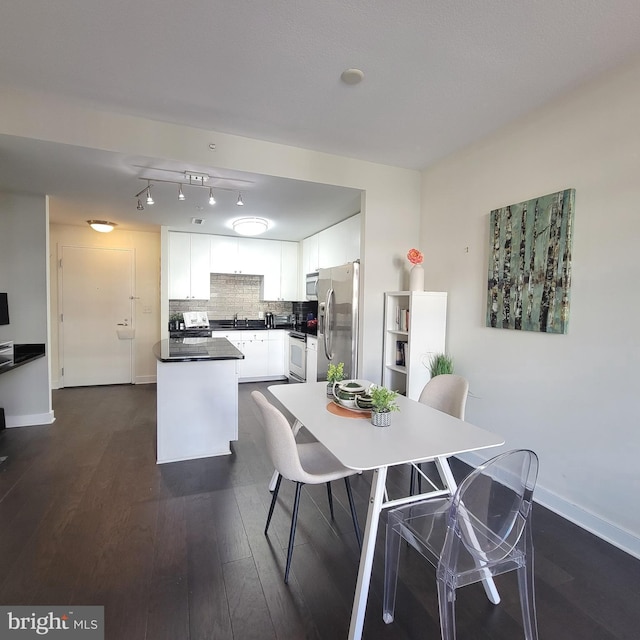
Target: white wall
[
  {"x": 572, "y": 398},
  {"x": 391, "y": 198},
  {"x": 24, "y": 393},
  {"x": 146, "y": 248}
]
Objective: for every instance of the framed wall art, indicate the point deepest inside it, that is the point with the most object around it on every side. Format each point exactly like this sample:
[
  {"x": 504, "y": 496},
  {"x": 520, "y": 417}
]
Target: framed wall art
[{"x": 529, "y": 279}]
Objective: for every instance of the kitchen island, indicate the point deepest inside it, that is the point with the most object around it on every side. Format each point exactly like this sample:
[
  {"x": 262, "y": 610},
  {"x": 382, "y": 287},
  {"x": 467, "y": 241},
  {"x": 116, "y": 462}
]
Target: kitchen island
[{"x": 197, "y": 397}]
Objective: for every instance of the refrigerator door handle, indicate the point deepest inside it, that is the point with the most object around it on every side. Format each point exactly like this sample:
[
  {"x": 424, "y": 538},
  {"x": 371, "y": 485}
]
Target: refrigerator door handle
[{"x": 328, "y": 328}]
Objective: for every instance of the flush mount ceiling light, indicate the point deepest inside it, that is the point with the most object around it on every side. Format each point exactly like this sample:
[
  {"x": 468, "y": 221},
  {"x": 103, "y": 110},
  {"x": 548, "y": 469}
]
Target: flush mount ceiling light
[
  {"x": 250, "y": 226},
  {"x": 239, "y": 202},
  {"x": 103, "y": 226},
  {"x": 352, "y": 76},
  {"x": 180, "y": 193}
]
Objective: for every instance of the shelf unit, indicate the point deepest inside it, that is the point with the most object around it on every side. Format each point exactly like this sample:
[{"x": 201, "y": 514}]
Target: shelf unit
[{"x": 406, "y": 368}]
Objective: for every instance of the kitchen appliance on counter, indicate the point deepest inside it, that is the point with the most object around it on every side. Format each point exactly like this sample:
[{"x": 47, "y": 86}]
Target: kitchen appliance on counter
[
  {"x": 338, "y": 293},
  {"x": 196, "y": 320},
  {"x": 283, "y": 320},
  {"x": 297, "y": 356},
  {"x": 268, "y": 320}
]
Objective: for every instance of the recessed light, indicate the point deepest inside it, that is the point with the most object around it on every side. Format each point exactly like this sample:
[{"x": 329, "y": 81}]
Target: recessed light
[{"x": 352, "y": 76}]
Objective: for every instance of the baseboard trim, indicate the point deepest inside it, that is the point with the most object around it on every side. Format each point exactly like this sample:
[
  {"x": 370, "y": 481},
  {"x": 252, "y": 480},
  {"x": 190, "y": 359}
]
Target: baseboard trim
[
  {"x": 30, "y": 420},
  {"x": 604, "y": 529},
  {"x": 145, "y": 380}
]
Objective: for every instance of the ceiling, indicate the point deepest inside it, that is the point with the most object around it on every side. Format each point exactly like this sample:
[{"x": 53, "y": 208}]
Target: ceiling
[{"x": 438, "y": 76}]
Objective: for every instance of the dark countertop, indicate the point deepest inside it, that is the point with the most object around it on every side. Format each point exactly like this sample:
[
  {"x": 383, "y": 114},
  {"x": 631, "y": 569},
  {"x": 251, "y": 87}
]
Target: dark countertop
[
  {"x": 23, "y": 354},
  {"x": 191, "y": 349}
]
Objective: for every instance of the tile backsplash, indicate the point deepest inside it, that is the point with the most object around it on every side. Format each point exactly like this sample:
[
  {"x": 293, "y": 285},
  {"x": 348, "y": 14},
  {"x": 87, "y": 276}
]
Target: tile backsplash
[{"x": 231, "y": 294}]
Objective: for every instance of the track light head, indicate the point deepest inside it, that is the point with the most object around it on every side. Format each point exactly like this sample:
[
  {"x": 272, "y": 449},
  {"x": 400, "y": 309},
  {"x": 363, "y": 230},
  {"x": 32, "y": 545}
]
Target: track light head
[
  {"x": 180, "y": 193},
  {"x": 212, "y": 200},
  {"x": 149, "y": 198},
  {"x": 239, "y": 202},
  {"x": 140, "y": 207}
]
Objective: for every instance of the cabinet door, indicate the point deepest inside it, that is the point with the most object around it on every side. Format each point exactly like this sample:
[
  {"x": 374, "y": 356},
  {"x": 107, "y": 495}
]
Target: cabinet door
[
  {"x": 256, "y": 357},
  {"x": 277, "y": 353},
  {"x": 200, "y": 265},
  {"x": 251, "y": 254},
  {"x": 224, "y": 254},
  {"x": 266, "y": 257},
  {"x": 310, "y": 254},
  {"x": 179, "y": 266},
  {"x": 289, "y": 281},
  {"x": 351, "y": 238},
  {"x": 331, "y": 247}
]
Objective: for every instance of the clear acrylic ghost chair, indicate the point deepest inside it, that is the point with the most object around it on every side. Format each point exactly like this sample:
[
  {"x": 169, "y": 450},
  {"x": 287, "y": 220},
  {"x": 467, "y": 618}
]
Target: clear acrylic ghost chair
[
  {"x": 307, "y": 463},
  {"x": 447, "y": 393},
  {"x": 483, "y": 530}
]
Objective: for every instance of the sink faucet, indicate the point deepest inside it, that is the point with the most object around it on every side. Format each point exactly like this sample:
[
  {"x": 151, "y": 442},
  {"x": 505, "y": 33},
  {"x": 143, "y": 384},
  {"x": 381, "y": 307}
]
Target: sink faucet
[{"x": 235, "y": 319}]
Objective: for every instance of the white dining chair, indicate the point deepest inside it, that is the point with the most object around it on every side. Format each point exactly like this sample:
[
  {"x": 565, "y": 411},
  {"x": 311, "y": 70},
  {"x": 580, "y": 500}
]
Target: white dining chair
[
  {"x": 305, "y": 463},
  {"x": 447, "y": 393}
]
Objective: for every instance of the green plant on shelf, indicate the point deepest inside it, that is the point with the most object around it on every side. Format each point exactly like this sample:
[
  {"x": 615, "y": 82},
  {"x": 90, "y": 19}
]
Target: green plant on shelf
[{"x": 439, "y": 364}]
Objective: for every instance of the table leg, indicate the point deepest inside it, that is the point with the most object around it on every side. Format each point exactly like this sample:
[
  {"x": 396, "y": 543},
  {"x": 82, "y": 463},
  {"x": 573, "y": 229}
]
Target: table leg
[
  {"x": 274, "y": 478},
  {"x": 366, "y": 557},
  {"x": 447, "y": 477}
]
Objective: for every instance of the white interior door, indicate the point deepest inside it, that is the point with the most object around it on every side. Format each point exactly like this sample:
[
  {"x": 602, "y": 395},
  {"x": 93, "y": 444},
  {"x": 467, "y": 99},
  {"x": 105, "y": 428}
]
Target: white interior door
[{"x": 96, "y": 315}]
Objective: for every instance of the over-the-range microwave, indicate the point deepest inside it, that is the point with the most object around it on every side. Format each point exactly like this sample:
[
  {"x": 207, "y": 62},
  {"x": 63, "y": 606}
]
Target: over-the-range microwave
[{"x": 311, "y": 289}]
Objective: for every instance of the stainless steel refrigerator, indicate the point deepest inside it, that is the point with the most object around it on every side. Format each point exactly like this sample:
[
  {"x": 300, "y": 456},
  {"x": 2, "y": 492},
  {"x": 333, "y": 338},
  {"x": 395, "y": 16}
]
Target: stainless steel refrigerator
[{"x": 338, "y": 291}]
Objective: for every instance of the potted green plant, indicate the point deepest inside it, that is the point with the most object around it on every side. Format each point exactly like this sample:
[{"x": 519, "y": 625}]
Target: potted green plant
[
  {"x": 440, "y": 363},
  {"x": 383, "y": 402},
  {"x": 335, "y": 373}
]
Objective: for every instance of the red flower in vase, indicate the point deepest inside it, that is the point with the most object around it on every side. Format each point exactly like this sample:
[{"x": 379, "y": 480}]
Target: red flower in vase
[{"x": 414, "y": 256}]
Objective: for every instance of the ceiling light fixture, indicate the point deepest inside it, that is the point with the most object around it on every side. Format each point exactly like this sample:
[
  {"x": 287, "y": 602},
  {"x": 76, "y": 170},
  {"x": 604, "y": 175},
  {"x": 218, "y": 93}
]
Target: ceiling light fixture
[
  {"x": 352, "y": 76},
  {"x": 180, "y": 194},
  {"x": 250, "y": 226},
  {"x": 140, "y": 207},
  {"x": 212, "y": 200},
  {"x": 149, "y": 198},
  {"x": 240, "y": 203},
  {"x": 103, "y": 226}
]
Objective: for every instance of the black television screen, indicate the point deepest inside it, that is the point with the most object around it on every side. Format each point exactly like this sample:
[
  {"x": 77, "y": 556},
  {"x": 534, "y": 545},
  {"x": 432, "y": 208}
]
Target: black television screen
[{"x": 4, "y": 309}]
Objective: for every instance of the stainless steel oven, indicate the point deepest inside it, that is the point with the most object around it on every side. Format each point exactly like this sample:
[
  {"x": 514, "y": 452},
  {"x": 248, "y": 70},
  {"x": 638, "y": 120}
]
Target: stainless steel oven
[{"x": 297, "y": 357}]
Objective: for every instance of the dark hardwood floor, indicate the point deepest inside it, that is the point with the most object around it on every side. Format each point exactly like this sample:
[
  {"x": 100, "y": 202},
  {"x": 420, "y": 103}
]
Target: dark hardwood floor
[{"x": 178, "y": 552}]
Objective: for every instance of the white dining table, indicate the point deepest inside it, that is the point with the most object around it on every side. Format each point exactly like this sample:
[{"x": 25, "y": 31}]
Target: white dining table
[{"x": 417, "y": 433}]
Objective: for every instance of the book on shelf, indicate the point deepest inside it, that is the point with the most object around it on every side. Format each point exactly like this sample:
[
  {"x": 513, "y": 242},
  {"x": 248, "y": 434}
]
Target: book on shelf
[
  {"x": 400, "y": 353},
  {"x": 402, "y": 319}
]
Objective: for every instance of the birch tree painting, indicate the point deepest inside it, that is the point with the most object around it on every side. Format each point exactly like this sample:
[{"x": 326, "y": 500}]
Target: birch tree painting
[{"x": 529, "y": 278}]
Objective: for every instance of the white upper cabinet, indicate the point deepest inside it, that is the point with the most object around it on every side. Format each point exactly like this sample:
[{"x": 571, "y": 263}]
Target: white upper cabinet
[
  {"x": 224, "y": 254},
  {"x": 340, "y": 243},
  {"x": 276, "y": 261},
  {"x": 289, "y": 285},
  {"x": 310, "y": 254},
  {"x": 188, "y": 266}
]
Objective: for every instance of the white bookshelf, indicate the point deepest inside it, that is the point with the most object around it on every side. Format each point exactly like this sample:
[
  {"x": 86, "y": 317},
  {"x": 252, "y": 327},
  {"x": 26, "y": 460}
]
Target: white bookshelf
[{"x": 423, "y": 335}]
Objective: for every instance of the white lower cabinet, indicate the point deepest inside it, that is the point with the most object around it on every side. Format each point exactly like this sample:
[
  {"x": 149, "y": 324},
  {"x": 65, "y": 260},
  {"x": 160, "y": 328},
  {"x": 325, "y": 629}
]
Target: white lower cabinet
[{"x": 263, "y": 350}]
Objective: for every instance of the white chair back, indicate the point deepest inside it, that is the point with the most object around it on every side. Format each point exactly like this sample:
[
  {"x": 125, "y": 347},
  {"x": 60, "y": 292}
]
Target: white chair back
[
  {"x": 447, "y": 393},
  {"x": 281, "y": 443}
]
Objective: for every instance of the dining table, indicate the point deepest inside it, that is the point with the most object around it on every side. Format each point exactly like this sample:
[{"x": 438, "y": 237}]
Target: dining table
[{"x": 418, "y": 433}]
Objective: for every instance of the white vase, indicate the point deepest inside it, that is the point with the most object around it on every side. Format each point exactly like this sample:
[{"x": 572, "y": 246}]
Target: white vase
[{"x": 416, "y": 278}]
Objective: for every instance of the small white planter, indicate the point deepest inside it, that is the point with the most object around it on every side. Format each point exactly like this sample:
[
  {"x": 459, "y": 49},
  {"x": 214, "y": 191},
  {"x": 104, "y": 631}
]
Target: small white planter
[{"x": 381, "y": 418}]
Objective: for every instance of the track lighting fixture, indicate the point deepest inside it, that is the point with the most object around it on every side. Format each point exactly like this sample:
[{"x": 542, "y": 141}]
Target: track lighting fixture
[
  {"x": 187, "y": 179},
  {"x": 103, "y": 226},
  {"x": 149, "y": 198}
]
